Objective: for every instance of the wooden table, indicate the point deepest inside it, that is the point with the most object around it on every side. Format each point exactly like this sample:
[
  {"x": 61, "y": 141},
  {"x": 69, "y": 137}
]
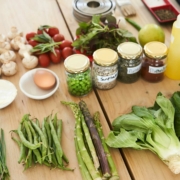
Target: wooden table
[{"x": 131, "y": 164}]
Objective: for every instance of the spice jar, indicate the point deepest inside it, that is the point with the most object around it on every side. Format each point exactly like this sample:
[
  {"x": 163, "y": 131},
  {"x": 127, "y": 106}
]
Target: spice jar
[
  {"x": 105, "y": 68},
  {"x": 154, "y": 61},
  {"x": 78, "y": 74},
  {"x": 130, "y": 59}
]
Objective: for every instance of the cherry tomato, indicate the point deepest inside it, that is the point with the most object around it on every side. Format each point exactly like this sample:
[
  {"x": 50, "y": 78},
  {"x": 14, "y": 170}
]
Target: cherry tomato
[
  {"x": 39, "y": 31},
  {"x": 44, "y": 60},
  {"x": 33, "y": 43},
  {"x": 65, "y": 43},
  {"x": 53, "y": 31},
  {"x": 58, "y": 37},
  {"x": 55, "y": 58},
  {"x": 30, "y": 35},
  {"x": 67, "y": 51}
]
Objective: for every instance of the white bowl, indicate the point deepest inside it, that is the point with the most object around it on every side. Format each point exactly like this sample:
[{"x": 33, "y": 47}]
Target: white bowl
[
  {"x": 8, "y": 93},
  {"x": 31, "y": 90}
]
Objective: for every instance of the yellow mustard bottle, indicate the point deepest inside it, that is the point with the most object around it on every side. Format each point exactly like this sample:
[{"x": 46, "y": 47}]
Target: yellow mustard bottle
[{"x": 173, "y": 57}]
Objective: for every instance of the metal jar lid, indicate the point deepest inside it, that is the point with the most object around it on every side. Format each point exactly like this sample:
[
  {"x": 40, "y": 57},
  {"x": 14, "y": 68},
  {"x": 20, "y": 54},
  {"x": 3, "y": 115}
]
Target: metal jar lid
[
  {"x": 83, "y": 10},
  {"x": 155, "y": 50},
  {"x": 76, "y": 63},
  {"x": 105, "y": 57},
  {"x": 129, "y": 50}
]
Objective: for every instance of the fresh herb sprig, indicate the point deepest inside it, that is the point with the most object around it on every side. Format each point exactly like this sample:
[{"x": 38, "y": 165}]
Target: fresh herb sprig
[
  {"x": 100, "y": 33},
  {"x": 4, "y": 172}
]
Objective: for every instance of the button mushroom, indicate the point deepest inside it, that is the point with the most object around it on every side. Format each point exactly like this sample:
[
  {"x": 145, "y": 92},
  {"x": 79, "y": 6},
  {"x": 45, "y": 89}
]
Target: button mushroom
[
  {"x": 24, "y": 48},
  {"x": 9, "y": 69},
  {"x": 4, "y": 46},
  {"x": 29, "y": 61},
  {"x": 7, "y": 56},
  {"x": 15, "y": 43},
  {"x": 3, "y": 38},
  {"x": 14, "y": 32}
]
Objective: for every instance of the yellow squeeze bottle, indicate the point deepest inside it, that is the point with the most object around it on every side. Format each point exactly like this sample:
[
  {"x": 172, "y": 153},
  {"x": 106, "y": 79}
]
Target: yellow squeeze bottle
[{"x": 173, "y": 58}]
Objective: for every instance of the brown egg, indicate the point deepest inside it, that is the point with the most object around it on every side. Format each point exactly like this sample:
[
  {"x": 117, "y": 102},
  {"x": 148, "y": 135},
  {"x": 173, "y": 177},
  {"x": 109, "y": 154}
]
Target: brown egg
[{"x": 44, "y": 79}]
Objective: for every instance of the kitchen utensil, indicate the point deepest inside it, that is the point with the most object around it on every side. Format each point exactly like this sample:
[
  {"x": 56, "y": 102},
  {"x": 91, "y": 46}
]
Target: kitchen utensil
[{"x": 126, "y": 7}]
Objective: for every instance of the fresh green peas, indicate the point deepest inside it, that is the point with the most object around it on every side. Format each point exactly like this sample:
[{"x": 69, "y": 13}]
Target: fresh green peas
[{"x": 79, "y": 84}]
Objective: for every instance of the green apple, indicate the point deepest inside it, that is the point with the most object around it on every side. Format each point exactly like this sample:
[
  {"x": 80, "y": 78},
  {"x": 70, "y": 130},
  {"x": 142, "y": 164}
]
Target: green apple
[{"x": 151, "y": 32}]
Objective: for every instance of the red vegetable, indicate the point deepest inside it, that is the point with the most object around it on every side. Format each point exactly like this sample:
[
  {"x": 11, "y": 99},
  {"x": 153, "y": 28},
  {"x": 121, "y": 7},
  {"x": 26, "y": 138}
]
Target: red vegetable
[
  {"x": 44, "y": 60},
  {"x": 53, "y": 31},
  {"x": 33, "y": 43},
  {"x": 30, "y": 35},
  {"x": 58, "y": 37},
  {"x": 65, "y": 43},
  {"x": 67, "y": 51},
  {"x": 55, "y": 58}
]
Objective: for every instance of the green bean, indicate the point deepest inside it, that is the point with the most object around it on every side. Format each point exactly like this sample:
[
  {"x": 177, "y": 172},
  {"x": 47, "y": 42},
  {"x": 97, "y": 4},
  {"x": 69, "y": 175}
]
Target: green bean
[
  {"x": 55, "y": 122},
  {"x": 58, "y": 150},
  {"x": 22, "y": 153},
  {"x": 48, "y": 132},
  {"x": 25, "y": 141},
  {"x": 44, "y": 141}
]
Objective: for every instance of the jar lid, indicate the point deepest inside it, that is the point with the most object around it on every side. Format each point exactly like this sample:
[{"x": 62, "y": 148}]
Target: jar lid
[
  {"x": 155, "y": 49},
  {"x": 76, "y": 63},
  {"x": 105, "y": 56},
  {"x": 129, "y": 50}
]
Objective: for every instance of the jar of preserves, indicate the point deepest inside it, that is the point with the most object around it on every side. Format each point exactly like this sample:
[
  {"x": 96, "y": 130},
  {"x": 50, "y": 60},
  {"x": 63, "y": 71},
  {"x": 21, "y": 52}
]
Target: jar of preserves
[
  {"x": 105, "y": 68},
  {"x": 78, "y": 74},
  {"x": 130, "y": 60},
  {"x": 154, "y": 61}
]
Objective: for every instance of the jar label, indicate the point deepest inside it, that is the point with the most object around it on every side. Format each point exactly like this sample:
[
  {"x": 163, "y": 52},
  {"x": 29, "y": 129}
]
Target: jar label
[
  {"x": 134, "y": 70},
  {"x": 157, "y": 70},
  {"x": 107, "y": 79}
]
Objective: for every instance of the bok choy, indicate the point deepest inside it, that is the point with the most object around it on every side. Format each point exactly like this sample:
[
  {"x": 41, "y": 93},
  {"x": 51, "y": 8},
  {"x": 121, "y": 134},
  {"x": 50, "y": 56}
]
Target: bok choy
[{"x": 149, "y": 128}]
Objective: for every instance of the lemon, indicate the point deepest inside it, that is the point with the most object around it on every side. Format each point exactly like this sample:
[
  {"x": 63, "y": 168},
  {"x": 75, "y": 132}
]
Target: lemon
[{"x": 151, "y": 32}]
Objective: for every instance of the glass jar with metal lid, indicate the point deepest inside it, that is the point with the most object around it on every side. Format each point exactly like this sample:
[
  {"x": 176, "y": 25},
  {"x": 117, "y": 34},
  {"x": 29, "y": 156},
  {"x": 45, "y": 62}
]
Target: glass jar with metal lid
[
  {"x": 130, "y": 59},
  {"x": 78, "y": 74},
  {"x": 105, "y": 68},
  {"x": 154, "y": 61}
]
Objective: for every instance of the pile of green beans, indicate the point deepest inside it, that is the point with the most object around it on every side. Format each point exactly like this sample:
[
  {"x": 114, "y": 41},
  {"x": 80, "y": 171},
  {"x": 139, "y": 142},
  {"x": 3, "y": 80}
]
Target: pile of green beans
[{"x": 41, "y": 144}]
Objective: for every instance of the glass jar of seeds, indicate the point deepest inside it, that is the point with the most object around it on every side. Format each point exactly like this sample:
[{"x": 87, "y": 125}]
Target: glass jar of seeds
[
  {"x": 78, "y": 74},
  {"x": 130, "y": 60},
  {"x": 105, "y": 68}
]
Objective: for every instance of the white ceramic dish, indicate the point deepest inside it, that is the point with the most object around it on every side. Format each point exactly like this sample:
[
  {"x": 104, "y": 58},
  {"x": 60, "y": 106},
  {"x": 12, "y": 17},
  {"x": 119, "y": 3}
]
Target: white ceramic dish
[
  {"x": 8, "y": 93},
  {"x": 31, "y": 90}
]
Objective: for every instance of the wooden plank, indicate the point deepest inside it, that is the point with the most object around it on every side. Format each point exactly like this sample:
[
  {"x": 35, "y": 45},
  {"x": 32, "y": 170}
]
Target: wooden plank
[
  {"x": 144, "y": 165},
  {"x": 27, "y": 16}
]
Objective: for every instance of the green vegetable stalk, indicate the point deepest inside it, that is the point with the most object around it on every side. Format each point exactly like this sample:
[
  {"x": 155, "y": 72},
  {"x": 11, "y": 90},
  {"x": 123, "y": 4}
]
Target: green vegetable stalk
[
  {"x": 149, "y": 128},
  {"x": 4, "y": 172}
]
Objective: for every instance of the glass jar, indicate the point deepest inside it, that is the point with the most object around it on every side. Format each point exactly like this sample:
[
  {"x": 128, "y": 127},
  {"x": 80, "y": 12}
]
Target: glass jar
[
  {"x": 105, "y": 68},
  {"x": 78, "y": 74},
  {"x": 154, "y": 61},
  {"x": 130, "y": 60}
]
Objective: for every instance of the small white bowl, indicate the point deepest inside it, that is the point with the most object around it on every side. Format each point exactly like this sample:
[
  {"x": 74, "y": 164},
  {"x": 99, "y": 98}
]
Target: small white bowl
[
  {"x": 8, "y": 93},
  {"x": 31, "y": 90}
]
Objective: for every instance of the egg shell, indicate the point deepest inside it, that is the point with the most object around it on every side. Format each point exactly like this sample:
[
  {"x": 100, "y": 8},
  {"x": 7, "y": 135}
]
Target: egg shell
[{"x": 44, "y": 79}]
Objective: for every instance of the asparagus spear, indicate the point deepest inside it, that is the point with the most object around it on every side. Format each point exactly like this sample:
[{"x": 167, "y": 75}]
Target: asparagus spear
[
  {"x": 80, "y": 141},
  {"x": 112, "y": 166},
  {"x": 96, "y": 140}
]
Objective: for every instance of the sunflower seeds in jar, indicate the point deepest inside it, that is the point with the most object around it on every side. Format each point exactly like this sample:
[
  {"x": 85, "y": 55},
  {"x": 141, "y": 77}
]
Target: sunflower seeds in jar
[
  {"x": 130, "y": 60},
  {"x": 105, "y": 68}
]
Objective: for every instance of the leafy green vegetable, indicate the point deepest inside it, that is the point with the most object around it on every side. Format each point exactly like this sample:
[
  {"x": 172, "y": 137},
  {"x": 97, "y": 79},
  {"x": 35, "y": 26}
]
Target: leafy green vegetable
[
  {"x": 175, "y": 99},
  {"x": 100, "y": 33},
  {"x": 149, "y": 128}
]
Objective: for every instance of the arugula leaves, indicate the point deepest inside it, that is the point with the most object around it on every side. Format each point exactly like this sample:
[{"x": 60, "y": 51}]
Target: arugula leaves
[{"x": 100, "y": 33}]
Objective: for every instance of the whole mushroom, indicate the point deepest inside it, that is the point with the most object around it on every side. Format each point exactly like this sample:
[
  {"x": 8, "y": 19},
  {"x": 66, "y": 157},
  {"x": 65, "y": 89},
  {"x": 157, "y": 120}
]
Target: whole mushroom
[
  {"x": 29, "y": 61},
  {"x": 24, "y": 49},
  {"x": 9, "y": 69},
  {"x": 7, "y": 56},
  {"x": 14, "y": 32},
  {"x": 15, "y": 43}
]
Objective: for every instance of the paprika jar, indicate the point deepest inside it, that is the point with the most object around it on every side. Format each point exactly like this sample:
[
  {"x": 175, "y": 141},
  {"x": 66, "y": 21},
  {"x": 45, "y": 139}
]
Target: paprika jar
[
  {"x": 104, "y": 68},
  {"x": 130, "y": 60},
  {"x": 154, "y": 61},
  {"x": 78, "y": 74}
]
